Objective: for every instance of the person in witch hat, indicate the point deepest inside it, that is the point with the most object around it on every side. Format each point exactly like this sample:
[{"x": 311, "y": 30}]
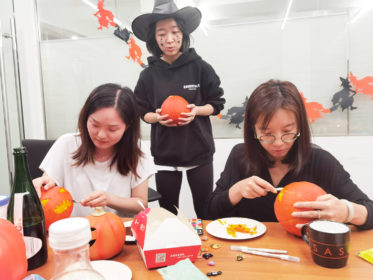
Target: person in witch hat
[{"x": 176, "y": 69}]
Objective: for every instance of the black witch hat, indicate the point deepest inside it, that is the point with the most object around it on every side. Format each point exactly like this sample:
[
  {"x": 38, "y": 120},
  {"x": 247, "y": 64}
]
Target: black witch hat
[{"x": 190, "y": 16}]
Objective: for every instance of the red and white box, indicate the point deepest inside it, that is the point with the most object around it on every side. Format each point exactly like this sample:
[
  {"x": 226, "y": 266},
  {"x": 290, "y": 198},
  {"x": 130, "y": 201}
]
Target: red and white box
[{"x": 164, "y": 238}]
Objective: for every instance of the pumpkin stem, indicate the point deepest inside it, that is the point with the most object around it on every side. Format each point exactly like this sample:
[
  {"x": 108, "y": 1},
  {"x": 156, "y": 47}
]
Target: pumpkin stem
[{"x": 99, "y": 211}]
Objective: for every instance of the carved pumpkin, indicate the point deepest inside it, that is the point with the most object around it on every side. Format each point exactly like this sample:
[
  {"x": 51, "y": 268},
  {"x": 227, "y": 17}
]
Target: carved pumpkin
[
  {"x": 57, "y": 204},
  {"x": 13, "y": 261},
  {"x": 294, "y": 192},
  {"x": 174, "y": 105},
  {"x": 108, "y": 234}
]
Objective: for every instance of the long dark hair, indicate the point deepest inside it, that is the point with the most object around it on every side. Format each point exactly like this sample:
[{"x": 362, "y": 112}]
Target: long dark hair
[
  {"x": 152, "y": 45},
  {"x": 263, "y": 103},
  {"x": 127, "y": 151}
]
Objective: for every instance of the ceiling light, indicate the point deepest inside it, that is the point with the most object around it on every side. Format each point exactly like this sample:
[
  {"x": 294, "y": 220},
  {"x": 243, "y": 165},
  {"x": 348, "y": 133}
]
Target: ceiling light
[{"x": 286, "y": 15}]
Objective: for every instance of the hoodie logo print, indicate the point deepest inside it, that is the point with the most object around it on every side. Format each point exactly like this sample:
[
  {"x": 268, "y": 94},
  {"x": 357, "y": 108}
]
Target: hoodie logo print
[{"x": 191, "y": 87}]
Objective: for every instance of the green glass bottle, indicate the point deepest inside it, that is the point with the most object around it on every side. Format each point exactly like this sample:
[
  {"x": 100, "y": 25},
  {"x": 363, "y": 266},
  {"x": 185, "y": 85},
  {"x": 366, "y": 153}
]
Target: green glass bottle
[{"x": 26, "y": 213}]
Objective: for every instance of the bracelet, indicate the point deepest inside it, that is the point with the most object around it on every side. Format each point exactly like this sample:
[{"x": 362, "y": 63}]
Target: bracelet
[{"x": 350, "y": 210}]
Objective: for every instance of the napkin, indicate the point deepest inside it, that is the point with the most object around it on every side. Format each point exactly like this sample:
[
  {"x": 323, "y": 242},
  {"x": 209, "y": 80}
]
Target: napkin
[{"x": 183, "y": 270}]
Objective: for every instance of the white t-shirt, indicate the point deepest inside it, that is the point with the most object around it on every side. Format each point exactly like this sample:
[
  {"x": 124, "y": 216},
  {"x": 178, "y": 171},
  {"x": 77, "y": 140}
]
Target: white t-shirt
[{"x": 80, "y": 181}]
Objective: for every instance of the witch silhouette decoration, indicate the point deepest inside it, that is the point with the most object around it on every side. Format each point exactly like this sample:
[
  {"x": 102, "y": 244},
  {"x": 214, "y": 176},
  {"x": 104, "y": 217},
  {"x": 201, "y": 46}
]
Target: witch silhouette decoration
[
  {"x": 342, "y": 99},
  {"x": 105, "y": 18}
]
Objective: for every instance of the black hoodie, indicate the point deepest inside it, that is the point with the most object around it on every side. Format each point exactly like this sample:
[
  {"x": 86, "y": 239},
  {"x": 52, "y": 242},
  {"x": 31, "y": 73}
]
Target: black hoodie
[{"x": 196, "y": 81}]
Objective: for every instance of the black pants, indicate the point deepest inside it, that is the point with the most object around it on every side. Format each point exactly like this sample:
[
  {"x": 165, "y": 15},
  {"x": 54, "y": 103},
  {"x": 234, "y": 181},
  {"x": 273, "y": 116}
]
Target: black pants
[{"x": 200, "y": 180}]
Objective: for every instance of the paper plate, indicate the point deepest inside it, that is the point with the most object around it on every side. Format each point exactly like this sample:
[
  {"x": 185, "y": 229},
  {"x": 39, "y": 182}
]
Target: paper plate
[
  {"x": 112, "y": 270},
  {"x": 218, "y": 228}
]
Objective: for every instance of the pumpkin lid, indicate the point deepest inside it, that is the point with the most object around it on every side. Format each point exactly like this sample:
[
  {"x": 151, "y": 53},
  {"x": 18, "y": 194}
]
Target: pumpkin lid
[{"x": 69, "y": 233}]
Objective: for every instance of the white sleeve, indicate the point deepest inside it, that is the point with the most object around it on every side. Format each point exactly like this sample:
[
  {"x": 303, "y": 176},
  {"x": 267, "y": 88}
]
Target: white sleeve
[
  {"x": 56, "y": 159},
  {"x": 145, "y": 168}
]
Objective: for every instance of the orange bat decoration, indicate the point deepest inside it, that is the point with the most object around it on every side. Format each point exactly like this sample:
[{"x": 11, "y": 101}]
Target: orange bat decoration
[
  {"x": 364, "y": 85},
  {"x": 314, "y": 109}
]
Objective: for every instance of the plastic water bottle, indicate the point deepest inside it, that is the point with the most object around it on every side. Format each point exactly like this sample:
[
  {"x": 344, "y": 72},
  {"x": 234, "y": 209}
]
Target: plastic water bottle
[
  {"x": 69, "y": 238},
  {"x": 4, "y": 199}
]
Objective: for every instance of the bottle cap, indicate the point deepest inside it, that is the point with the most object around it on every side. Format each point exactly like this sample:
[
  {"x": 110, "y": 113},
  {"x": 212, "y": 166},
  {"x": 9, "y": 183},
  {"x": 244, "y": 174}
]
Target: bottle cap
[
  {"x": 69, "y": 233},
  {"x": 19, "y": 150},
  {"x": 4, "y": 199}
]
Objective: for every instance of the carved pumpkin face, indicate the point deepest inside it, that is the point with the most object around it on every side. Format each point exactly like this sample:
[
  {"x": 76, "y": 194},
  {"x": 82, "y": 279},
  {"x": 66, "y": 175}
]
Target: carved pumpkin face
[
  {"x": 108, "y": 234},
  {"x": 57, "y": 204},
  {"x": 294, "y": 192},
  {"x": 174, "y": 105},
  {"x": 13, "y": 261}
]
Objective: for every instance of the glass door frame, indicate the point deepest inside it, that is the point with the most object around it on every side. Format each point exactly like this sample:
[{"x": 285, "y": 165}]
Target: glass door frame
[{"x": 10, "y": 102}]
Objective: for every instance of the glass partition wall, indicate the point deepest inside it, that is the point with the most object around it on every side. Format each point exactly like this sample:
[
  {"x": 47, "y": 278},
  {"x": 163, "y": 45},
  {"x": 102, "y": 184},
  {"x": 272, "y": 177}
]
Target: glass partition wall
[
  {"x": 11, "y": 126},
  {"x": 324, "y": 47}
]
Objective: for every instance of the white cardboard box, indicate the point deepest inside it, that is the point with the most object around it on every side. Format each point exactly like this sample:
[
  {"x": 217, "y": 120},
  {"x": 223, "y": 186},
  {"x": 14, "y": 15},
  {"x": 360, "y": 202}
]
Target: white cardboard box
[{"x": 164, "y": 238}]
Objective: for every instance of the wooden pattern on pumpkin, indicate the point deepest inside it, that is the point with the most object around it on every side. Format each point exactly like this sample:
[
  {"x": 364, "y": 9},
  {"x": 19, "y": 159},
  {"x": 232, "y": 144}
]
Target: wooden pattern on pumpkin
[{"x": 290, "y": 194}]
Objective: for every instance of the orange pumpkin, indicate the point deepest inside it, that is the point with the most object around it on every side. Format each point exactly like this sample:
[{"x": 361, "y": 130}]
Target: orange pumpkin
[
  {"x": 108, "y": 234},
  {"x": 294, "y": 192},
  {"x": 13, "y": 261},
  {"x": 174, "y": 105},
  {"x": 57, "y": 204}
]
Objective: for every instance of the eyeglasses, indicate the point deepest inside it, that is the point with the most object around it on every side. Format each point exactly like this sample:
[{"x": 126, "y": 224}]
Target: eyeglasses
[{"x": 286, "y": 138}]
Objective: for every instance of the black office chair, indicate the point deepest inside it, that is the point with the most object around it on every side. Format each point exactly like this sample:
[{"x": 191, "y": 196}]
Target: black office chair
[{"x": 36, "y": 151}]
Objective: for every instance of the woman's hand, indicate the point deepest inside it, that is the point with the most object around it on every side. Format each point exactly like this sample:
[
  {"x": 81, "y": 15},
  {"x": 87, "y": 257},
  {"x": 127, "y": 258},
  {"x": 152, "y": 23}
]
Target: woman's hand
[
  {"x": 163, "y": 119},
  {"x": 326, "y": 207},
  {"x": 44, "y": 181},
  {"x": 188, "y": 116},
  {"x": 96, "y": 199},
  {"x": 250, "y": 188}
]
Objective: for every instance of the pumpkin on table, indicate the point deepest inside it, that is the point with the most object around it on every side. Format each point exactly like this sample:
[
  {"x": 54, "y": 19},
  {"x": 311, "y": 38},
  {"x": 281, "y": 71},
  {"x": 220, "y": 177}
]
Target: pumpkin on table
[
  {"x": 294, "y": 192},
  {"x": 13, "y": 261},
  {"x": 57, "y": 204},
  {"x": 108, "y": 234},
  {"x": 174, "y": 105}
]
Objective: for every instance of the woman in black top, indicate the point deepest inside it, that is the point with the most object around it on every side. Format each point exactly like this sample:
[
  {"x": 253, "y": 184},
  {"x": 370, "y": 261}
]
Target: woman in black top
[
  {"x": 277, "y": 151},
  {"x": 176, "y": 69}
]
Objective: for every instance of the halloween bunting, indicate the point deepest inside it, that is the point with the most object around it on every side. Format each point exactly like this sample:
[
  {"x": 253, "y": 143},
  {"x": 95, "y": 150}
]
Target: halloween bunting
[
  {"x": 364, "y": 85},
  {"x": 236, "y": 114},
  {"x": 345, "y": 97},
  {"x": 314, "y": 109},
  {"x": 106, "y": 18}
]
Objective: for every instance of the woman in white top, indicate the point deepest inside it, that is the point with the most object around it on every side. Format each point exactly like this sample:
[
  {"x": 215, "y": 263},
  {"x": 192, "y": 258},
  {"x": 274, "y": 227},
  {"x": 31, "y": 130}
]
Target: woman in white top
[{"x": 105, "y": 164}]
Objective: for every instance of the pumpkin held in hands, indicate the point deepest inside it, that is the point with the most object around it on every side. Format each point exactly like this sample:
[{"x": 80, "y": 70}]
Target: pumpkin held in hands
[
  {"x": 13, "y": 261},
  {"x": 294, "y": 192},
  {"x": 174, "y": 105},
  {"x": 108, "y": 234},
  {"x": 57, "y": 204}
]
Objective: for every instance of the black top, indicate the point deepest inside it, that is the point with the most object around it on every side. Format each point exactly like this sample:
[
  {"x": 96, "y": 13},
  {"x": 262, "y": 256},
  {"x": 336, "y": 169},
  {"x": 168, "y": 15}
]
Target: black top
[
  {"x": 321, "y": 169},
  {"x": 196, "y": 81}
]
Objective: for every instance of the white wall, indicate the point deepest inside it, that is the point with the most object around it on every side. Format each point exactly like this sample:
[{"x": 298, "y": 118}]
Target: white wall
[
  {"x": 354, "y": 152},
  {"x": 311, "y": 52}
]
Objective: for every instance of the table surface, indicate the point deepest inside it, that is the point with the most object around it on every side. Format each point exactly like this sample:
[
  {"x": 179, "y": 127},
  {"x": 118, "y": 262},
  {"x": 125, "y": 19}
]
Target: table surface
[{"x": 254, "y": 267}]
